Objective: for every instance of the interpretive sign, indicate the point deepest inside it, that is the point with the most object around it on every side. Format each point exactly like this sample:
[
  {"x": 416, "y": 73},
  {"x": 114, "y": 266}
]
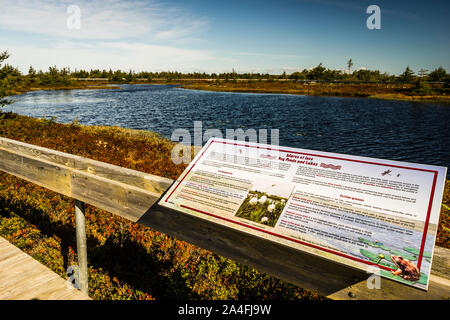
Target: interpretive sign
[{"x": 367, "y": 213}]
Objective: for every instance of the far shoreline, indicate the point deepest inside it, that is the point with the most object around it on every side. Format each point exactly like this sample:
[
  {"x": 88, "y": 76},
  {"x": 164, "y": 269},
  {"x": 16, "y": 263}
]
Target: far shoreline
[
  {"x": 79, "y": 86},
  {"x": 387, "y": 96},
  {"x": 321, "y": 90}
]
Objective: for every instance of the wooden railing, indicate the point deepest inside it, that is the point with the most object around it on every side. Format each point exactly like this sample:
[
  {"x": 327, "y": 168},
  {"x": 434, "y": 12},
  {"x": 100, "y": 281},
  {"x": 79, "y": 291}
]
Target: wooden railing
[{"x": 133, "y": 195}]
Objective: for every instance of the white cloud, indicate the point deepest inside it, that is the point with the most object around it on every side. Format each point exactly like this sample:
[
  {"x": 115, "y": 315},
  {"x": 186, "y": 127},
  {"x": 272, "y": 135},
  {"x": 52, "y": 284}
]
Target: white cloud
[
  {"x": 291, "y": 69},
  {"x": 138, "y": 35},
  {"x": 270, "y": 55},
  {"x": 101, "y": 19},
  {"x": 182, "y": 30},
  {"x": 114, "y": 55}
]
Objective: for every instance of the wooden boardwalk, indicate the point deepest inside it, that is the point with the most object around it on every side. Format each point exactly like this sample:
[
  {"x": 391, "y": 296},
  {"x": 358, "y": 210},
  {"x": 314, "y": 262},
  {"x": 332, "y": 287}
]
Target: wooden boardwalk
[{"x": 23, "y": 278}]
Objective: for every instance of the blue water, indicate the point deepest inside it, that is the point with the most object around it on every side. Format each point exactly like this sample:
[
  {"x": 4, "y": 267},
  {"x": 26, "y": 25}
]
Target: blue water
[{"x": 396, "y": 130}]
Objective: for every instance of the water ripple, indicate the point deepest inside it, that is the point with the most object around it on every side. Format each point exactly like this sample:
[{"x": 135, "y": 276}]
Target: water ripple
[{"x": 398, "y": 130}]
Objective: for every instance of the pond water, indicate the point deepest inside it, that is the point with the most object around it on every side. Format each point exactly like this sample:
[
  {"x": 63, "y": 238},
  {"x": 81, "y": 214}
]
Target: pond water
[{"x": 396, "y": 130}]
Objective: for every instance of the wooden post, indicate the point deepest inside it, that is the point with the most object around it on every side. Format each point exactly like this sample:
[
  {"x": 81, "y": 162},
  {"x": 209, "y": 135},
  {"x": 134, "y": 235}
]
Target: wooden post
[{"x": 81, "y": 246}]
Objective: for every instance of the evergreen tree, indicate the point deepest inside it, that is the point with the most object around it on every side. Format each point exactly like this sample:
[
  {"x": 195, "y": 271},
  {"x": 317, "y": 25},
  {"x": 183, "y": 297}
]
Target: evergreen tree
[
  {"x": 438, "y": 75},
  {"x": 316, "y": 73},
  {"x": 31, "y": 77},
  {"x": 422, "y": 72},
  {"x": 31, "y": 71},
  {"x": 10, "y": 78},
  {"x": 349, "y": 65},
  {"x": 129, "y": 77},
  {"x": 407, "y": 75}
]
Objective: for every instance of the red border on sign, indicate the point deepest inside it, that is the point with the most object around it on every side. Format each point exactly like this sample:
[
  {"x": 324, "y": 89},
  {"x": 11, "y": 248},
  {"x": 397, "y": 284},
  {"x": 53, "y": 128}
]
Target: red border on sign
[{"x": 422, "y": 246}]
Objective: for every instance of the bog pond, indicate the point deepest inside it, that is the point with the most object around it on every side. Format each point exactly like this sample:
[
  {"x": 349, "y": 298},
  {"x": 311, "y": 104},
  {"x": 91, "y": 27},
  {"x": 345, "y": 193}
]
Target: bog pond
[{"x": 396, "y": 130}]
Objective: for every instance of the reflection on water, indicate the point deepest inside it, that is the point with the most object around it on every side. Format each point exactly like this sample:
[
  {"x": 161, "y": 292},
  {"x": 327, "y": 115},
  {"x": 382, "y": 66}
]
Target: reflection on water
[
  {"x": 61, "y": 98},
  {"x": 397, "y": 130}
]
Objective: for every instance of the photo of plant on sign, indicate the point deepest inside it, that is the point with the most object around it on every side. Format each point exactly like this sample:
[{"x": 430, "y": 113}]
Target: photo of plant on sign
[{"x": 265, "y": 202}]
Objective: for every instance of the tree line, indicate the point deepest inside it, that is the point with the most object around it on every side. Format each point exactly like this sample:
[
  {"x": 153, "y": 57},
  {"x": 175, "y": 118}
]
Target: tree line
[
  {"x": 317, "y": 73},
  {"x": 11, "y": 77}
]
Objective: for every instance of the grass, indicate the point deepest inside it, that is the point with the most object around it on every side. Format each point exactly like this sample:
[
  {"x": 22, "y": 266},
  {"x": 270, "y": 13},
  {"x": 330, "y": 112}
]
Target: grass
[{"x": 407, "y": 92}]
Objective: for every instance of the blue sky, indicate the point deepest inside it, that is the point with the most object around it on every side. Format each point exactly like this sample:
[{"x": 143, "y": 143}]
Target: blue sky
[{"x": 216, "y": 36}]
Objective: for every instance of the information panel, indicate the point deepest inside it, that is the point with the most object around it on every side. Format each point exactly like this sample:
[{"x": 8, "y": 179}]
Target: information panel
[{"x": 376, "y": 215}]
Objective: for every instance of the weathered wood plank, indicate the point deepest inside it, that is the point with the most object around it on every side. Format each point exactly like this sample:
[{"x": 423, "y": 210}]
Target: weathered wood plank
[
  {"x": 51, "y": 176},
  {"x": 439, "y": 288},
  {"x": 121, "y": 199},
  {"x": 441, "y": 263},
  {"x": 305, "y": 270},
  {"x": 132, "y": 195},
  {"x": 124, "y": 199},
  {"x": 135, "y": 178},
  {"x": 22, "y": 277},
  {"x": 15, "y": 277}
]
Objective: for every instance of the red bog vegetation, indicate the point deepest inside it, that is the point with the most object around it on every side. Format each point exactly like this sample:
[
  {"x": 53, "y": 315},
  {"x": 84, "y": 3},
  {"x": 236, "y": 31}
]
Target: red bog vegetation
[{"x": 126, "y": 260}]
